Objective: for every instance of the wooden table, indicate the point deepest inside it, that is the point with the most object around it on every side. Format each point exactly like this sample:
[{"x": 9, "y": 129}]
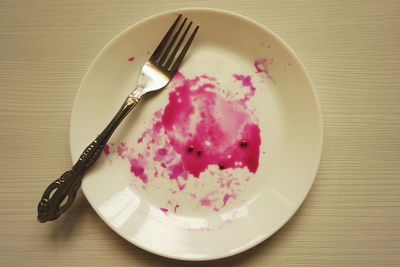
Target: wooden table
[{"x": 352, "y": 51}]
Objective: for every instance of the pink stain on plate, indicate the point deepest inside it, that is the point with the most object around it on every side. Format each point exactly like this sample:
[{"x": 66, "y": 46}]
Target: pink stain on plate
[
  {"x": 199, "y": 127},
  {"x": 226, "y": 198},
  {"x": 262, "y": 65},
  {"x": 131, "y": 58},
  {"x": 206, "y": 202},
  {"x": 138, "y": 168},
  {"x": 204, "y": 128},
  {"x": 106, "y": 149},
  {"x": 176, "y": 207},
  {"x": 164, "y": 210},
  {"x": 121, "y": 150},
  {"x": 246, "y": 82}
]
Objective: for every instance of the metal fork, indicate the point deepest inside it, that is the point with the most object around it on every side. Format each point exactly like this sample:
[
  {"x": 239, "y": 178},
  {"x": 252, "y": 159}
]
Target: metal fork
[{"x": 155, "y": 74}]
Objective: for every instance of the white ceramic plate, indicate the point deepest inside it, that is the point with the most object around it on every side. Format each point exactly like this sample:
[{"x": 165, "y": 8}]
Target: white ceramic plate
[{"x": 220, "y": 213}]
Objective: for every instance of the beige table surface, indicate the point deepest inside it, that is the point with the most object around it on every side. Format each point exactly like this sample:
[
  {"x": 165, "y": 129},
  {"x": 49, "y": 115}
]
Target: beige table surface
[{"x": 352, "y": 51}]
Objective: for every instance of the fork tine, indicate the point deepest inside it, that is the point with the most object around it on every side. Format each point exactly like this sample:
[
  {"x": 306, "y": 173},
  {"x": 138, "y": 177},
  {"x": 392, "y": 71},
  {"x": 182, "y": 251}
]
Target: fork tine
[
  {"x": 178, "y": 61},
  {"x": 168, "y": 49},
  {"x": 178, "y": 45},
  {"x": 164, "y": 41}
]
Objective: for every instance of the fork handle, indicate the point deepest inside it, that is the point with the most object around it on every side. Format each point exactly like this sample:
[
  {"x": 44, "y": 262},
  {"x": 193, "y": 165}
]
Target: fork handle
[{"x": 61, "y": 193}]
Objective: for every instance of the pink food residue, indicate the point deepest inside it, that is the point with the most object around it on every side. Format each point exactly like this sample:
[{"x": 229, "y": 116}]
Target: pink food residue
[
  {"x": 137, "y": 168},
  {"x": 131, "y": 58},
  {"x": 205, "y": 202},
  {"x": 204, "y": 128},
  {"x": 226, "y": 198},
  {"x": 199, "y": 128},
  {"x": 121, "y": 150},
  {"x": 262, "y": 66},
  {"x": 176, "y": 207},
  {"x": 164, "y": 210},
  {"x": 106, "y": 149},
  {"x": 246, "y": 82}
]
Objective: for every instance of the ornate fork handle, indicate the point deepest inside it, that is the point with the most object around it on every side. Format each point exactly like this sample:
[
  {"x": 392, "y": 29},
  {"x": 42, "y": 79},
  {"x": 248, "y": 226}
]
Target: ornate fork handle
[
  {"x": 61, "y": 193},
  {"x": 155, "y": 75}
]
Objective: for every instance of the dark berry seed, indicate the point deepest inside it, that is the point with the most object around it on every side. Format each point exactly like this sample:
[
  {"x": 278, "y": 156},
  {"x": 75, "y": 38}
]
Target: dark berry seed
[
  {"x": 243, "y": 143},
  {"x": 199, "y": 152},
  {"x": 221, "y": 167},
  {"x": 190, "y": 149}
]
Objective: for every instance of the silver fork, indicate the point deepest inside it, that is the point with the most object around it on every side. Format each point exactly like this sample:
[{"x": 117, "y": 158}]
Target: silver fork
[{"x": 155, "y": 74}]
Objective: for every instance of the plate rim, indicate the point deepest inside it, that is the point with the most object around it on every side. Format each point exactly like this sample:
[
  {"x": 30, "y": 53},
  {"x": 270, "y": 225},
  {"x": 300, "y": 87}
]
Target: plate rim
[{"x": 254, "y": 242}]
